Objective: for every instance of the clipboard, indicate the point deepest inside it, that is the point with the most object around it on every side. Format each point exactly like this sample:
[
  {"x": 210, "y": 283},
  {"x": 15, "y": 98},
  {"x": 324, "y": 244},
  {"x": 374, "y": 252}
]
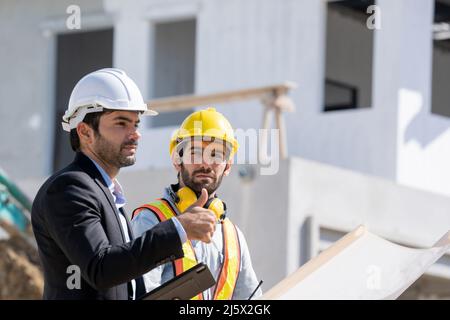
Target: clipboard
[{"x": 184, "y": 286}]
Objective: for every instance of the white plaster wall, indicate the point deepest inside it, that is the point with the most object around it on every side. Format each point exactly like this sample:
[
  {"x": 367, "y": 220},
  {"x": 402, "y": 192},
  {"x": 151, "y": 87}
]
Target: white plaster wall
[
  {"x": 263, "y": 42},
  {"x": 242, "y": 44},
  {"x": 27, "y": 61},
  {"x": 340, "y": 200},
  {"x": 133, "y": 48},
  {"x": 423, "y": 138}
]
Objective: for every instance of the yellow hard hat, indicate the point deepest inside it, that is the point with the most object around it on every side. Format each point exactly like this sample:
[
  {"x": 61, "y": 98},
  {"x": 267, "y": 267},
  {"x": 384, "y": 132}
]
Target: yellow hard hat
[{"x": 205, "y": 123}]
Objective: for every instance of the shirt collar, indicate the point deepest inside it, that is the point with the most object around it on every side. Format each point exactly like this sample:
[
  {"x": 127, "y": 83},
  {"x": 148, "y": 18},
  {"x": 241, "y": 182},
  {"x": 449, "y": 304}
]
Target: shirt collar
[{"x": 114, "y": 186}]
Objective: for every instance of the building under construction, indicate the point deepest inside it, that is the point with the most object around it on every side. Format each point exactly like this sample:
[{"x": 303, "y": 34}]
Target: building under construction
[{"x": 358, "y": 91}]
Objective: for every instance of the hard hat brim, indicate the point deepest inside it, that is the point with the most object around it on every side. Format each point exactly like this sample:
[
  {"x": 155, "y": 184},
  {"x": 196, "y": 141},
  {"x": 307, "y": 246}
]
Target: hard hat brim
[
  {"x": 178, "y": 138},
  {"x": 71, "y": 122},
  {"x": 150, "y": 113}
]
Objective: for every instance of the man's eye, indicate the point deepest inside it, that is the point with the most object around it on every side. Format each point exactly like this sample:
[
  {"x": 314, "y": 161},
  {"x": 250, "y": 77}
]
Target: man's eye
[{"x": 121, "y": 124}]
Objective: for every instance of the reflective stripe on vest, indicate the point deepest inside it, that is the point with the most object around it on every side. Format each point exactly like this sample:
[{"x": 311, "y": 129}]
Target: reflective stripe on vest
[
  {"x": 164, "y": 212},
  {"x": 231, "y": 264},
  {"x": 231, "y": 251}
]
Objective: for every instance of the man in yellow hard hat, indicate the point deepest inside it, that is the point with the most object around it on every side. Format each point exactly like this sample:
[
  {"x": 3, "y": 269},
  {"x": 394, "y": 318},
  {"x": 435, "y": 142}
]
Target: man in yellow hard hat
[{"x": 202, "y": 152}]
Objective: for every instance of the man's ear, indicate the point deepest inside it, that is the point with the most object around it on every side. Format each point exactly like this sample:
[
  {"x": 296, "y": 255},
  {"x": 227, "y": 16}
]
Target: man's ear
[
  {"x": 176, "y": 161},
  {"x": 228, "y": 167},
  {"x": 85, "y": 133}
]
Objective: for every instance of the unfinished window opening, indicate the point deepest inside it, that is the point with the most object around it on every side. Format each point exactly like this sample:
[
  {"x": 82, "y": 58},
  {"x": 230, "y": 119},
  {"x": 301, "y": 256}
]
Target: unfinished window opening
[
  {"x": 77, "y": 55},
  {"x": 440, "y": 100},
  {"x": 349, "y": 48},
  {"x": 173, "y": 66}
]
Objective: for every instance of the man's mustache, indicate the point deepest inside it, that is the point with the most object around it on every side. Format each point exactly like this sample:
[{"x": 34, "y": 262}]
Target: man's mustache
[
  {"x": 129, "y": 144},
  {"x": 203, "y": 170}
]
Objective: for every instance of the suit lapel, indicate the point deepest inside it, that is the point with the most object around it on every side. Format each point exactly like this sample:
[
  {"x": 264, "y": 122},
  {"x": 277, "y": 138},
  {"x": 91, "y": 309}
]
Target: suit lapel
[
  {"x": 130, "y": 230},
  {"x": 110, "y": 199},
  {"x": 88, "y": 166}
]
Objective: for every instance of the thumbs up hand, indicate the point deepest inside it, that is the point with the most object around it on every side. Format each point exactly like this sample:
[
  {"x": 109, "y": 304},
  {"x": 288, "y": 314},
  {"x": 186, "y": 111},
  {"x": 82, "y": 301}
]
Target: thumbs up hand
[{"x": 198, "y": 222}]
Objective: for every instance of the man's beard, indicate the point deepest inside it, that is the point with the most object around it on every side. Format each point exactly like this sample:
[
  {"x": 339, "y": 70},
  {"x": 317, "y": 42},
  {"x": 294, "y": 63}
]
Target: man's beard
[
  {"x": 109, "y": 153},
  {"x": 198, "y": 186}
]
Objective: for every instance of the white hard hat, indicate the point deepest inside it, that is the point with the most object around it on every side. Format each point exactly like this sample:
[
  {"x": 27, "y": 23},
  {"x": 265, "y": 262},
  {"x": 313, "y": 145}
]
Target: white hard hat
[{"x": 108, "y": 89}]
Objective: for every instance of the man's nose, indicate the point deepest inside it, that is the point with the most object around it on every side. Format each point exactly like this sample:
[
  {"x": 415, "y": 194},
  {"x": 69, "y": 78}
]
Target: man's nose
[
  {"x": 135, "y": 134},
  {"x": 207, "y": 164}
]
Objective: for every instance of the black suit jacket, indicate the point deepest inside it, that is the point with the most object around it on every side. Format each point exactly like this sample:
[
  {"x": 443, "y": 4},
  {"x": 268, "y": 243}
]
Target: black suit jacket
[{"x": 75, "y": 222}]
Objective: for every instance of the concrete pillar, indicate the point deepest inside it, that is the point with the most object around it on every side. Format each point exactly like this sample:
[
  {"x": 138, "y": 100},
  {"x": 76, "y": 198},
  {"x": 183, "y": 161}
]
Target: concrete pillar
[{"x": 131, "y": 41}]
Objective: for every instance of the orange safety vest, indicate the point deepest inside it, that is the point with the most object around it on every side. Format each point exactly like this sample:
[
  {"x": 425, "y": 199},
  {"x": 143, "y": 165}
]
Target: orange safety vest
[{"x": 231, "y": 251}]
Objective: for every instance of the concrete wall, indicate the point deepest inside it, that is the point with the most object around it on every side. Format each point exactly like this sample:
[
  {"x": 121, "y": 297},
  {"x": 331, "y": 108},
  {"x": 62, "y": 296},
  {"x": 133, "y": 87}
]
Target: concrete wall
[
  {"x": 398, "y": 138},
  {"x": 339, "y": 200},
  {"x": 241, "y": 44},
  {"x": 27, "y": 61},
  {"x": 255, "y": 43},
  {"x": 422, "y": 137}
]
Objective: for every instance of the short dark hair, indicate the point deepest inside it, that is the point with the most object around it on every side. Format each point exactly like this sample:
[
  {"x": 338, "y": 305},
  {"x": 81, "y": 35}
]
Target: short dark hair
[{"x": 92, "y": 120}]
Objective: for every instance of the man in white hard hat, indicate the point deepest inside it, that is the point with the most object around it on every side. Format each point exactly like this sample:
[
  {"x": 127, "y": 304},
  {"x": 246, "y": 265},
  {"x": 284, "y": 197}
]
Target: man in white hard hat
[{"x": 84, "y": 237}]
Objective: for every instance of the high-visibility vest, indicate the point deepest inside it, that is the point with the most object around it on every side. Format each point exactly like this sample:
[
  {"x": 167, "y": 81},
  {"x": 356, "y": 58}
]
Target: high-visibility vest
[{"x": 229, "y": 272}]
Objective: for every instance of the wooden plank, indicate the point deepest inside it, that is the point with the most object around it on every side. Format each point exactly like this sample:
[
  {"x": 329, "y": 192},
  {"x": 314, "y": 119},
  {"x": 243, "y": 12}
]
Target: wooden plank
[
  {"x": 187, "y": 102},
  {"x": 282, "y": 133}
]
